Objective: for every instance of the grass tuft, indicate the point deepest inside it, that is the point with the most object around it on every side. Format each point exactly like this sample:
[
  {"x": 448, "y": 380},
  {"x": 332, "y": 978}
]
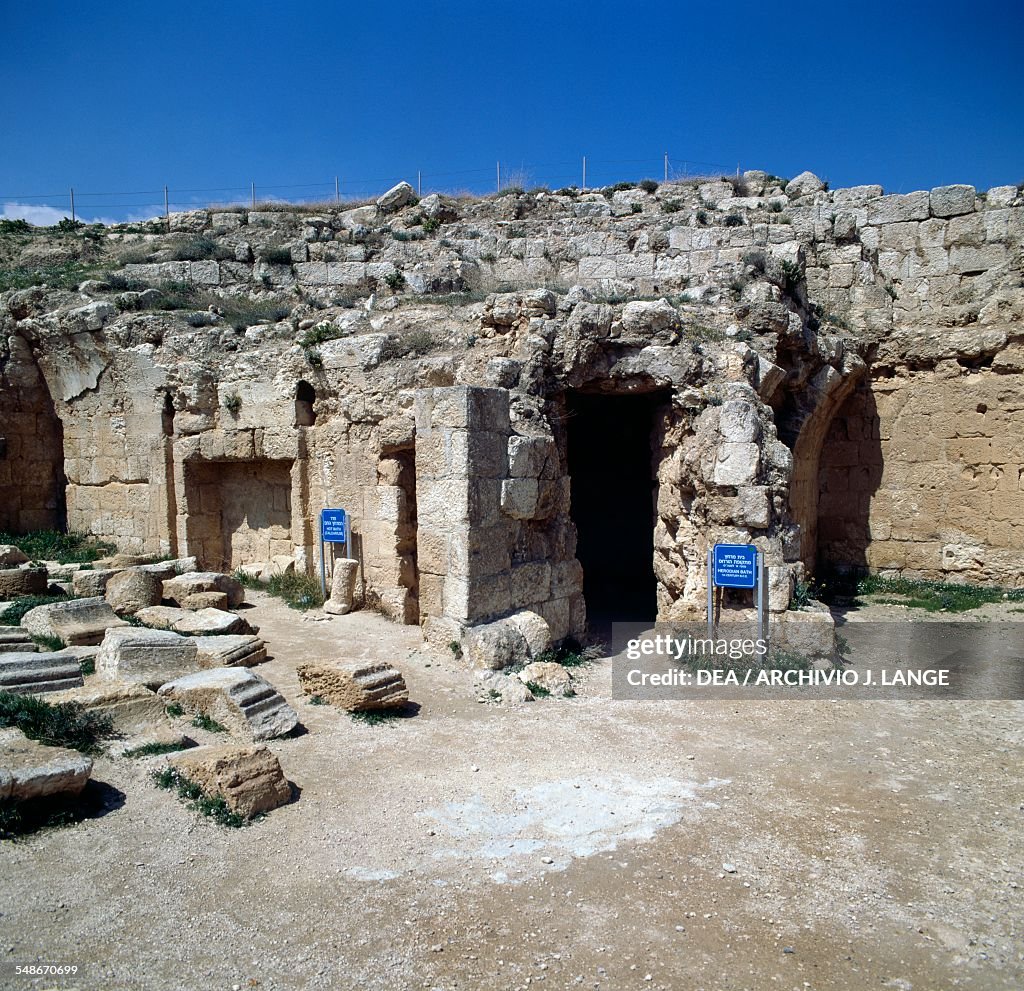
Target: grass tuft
[
  {"x": 15, "y": 612},
  {"x": 203, "y": 721},
  {"x": 214, "y": 808},
  {"x": 155, "y": 749},
  {"x": 67, "y": 548},
  {"x": 932, "y": 596},
  {"x": 378, "y": 717},
  {"x": 66, "y": 724}
]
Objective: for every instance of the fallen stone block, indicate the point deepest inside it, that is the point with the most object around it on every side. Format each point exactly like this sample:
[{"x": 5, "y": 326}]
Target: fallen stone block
[
  {"x": 11, "y": 556},
  {"x": 357, "y": 687},
  {"x": 15, "y": 639},
  {"x": 30, "y": 770},
  {"x": 495, "y": 686},
  {"x": 280, "y": 564},
  {"x": 547, "y": 675},
  {"x": 78, "y": 622},
  {"x": 238, "y": 698},
  {"x": 146, "y": 657},
  {"x": 133, "y": 589},
  {"x": 249, "y": 779},
  {"x": 59, "y": 572},
  {"x": 33, "y": 673},
  {"x": 230, "y": 651},
  {"x": 200, "y": 621},
  {"x": 132, "y": 707},
  {"x": 204, "y": 581},
  {"x": 16, "y": 582},
  {"x": 92, "y": 583},
  {"x": 204, "y": 600}
]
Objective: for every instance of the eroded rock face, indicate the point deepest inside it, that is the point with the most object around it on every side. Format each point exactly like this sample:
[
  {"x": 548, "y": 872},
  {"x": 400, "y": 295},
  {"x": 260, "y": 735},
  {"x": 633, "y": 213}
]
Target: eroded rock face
[
  {"x": 249, "y": 779},
  {"x": 355, "y": 687}
]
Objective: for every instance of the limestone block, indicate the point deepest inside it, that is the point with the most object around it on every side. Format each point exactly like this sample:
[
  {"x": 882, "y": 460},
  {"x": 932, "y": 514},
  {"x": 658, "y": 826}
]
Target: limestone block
[
  {"x": 230, "y": 651},
  {"x": 343, "y": 586},
  {"x": 529, "y": 456},
  {"x": 804, "y": 184},
  {"x": 32, "y": 673},
  {"x": 31, "y": 770},
  {"x": 396, "y": 197},
  {"x": 247, "y": 704},
  {"x": 204, "y": 581},
  {"x": 510, "y": 689},
  {"x": 855, "y": 195},
  {"x": 204, "y": 600},
  {"x": 811, "y": 633},
  {"x": 1000, "y": 196},
  {"x": 11, "y": 556},
  {"x": 132, "y": 707},
  {"x": 133, "y": 589},
  {"x": 519, "y": 497},
  {"x": 737, "y": 463},
  {"x": 548, "y": 675},
  {"x": 15, "y": 582},
  {"x": 78, "y": 622},
  {"x": 249, "y": 779},
  {"x": 752, "y": 507},
  {"x": 92, "y": 583},
  {"x": 639, "y": 317},
  {"x": 897, "y": 208},
  {"x": 200, "y": 621},
  {"x": 950, "y": 201},
  {"x": 15, "y": 639},
  {"x": 146, "y": 657},
  {"x": 738, "y": 422},
  {"x": 534, "y": 629},
  {"x": 355, "y": 687}
]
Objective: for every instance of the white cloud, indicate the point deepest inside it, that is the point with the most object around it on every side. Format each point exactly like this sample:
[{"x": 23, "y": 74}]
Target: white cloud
[{"x": 47, "y": 216}]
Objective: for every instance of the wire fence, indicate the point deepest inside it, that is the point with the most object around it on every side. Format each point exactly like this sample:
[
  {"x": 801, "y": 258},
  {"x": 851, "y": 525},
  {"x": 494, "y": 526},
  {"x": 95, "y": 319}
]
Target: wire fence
[{"x": 583, "y": 173}]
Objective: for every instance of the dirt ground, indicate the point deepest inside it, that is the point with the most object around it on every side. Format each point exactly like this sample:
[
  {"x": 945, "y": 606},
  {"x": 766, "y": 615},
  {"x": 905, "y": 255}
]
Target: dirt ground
[{"x": 567, "y": 843}]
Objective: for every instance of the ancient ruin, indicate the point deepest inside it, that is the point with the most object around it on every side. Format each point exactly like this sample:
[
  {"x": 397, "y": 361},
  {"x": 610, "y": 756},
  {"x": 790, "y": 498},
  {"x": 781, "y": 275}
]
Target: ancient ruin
[{"x": 546, "y": 403}]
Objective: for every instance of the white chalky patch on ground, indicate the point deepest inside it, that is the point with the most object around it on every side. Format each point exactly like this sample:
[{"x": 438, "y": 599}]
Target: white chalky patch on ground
[{"x": 574, "y": 817}]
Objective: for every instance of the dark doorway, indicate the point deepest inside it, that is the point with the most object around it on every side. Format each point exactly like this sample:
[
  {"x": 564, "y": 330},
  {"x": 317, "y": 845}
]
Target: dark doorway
[{"x": 613, "y": 502}]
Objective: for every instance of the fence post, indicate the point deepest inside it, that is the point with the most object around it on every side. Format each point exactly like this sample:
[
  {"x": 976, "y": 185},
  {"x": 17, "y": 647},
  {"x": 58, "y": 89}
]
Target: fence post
[
  {"x": 167, "y": 209},
  {"x": 337, "y": 190},
  {"x": 72, "y": 204},
  {"x": 499, "y": 178},
  {"x": 419, "y": 183},
  {"x": 254, "y": 195},
  {"x": 666, "y": 166},
  {"x": 584, "y": 171}
]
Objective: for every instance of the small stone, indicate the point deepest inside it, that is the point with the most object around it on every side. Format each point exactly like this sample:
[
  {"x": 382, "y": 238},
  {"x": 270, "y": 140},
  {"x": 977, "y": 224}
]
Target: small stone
[
  {"x": 547, "y": 860},
  {"x": 729, "y": 868},
  {"x": 788, "y": 949}
]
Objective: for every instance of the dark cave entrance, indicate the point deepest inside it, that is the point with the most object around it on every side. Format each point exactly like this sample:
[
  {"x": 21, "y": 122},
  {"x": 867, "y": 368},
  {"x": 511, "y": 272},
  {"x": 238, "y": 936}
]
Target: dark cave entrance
[{"x": 614, "y": 492}]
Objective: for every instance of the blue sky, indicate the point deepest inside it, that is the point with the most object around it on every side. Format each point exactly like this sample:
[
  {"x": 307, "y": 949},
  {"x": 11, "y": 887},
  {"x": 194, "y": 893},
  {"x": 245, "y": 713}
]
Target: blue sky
[{"x": 122, "y": 98}]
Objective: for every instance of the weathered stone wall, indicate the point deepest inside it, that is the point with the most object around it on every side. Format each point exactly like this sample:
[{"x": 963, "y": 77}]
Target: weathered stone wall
[
  {"x": 923, "y": 474},
  {"x": 31, "y": 451},
  {"x": 756, "y": 311}
]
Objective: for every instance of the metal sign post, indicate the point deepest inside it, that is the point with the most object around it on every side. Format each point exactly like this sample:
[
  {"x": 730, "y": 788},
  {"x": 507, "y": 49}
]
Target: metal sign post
[
  {"x": 737, "y": 566},
  {"x": 334, "y": 529}
]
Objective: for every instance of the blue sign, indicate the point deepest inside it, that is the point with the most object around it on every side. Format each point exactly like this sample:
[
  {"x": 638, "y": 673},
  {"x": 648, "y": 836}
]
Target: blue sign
[
  {"x": 735, "y": 566},
  {"x": 333, "y": 526}
]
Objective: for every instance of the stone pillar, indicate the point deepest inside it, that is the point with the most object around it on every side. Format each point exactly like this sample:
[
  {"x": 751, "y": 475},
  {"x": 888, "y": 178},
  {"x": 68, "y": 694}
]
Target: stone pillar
[
  {"x": 343, "y": 586},
  {"x": 463, "y": 538}
]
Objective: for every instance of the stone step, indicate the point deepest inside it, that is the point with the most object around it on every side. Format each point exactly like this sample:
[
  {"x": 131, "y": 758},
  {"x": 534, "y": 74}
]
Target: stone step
[
  {"x": 33, "y": 673},
  {"x": 212, "y": 621}
]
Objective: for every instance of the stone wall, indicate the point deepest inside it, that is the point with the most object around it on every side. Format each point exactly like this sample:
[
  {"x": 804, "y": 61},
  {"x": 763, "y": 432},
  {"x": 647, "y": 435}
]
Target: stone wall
[
  {"x": 31, "y": 449},
  {"x": 923, "y": 474}
]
